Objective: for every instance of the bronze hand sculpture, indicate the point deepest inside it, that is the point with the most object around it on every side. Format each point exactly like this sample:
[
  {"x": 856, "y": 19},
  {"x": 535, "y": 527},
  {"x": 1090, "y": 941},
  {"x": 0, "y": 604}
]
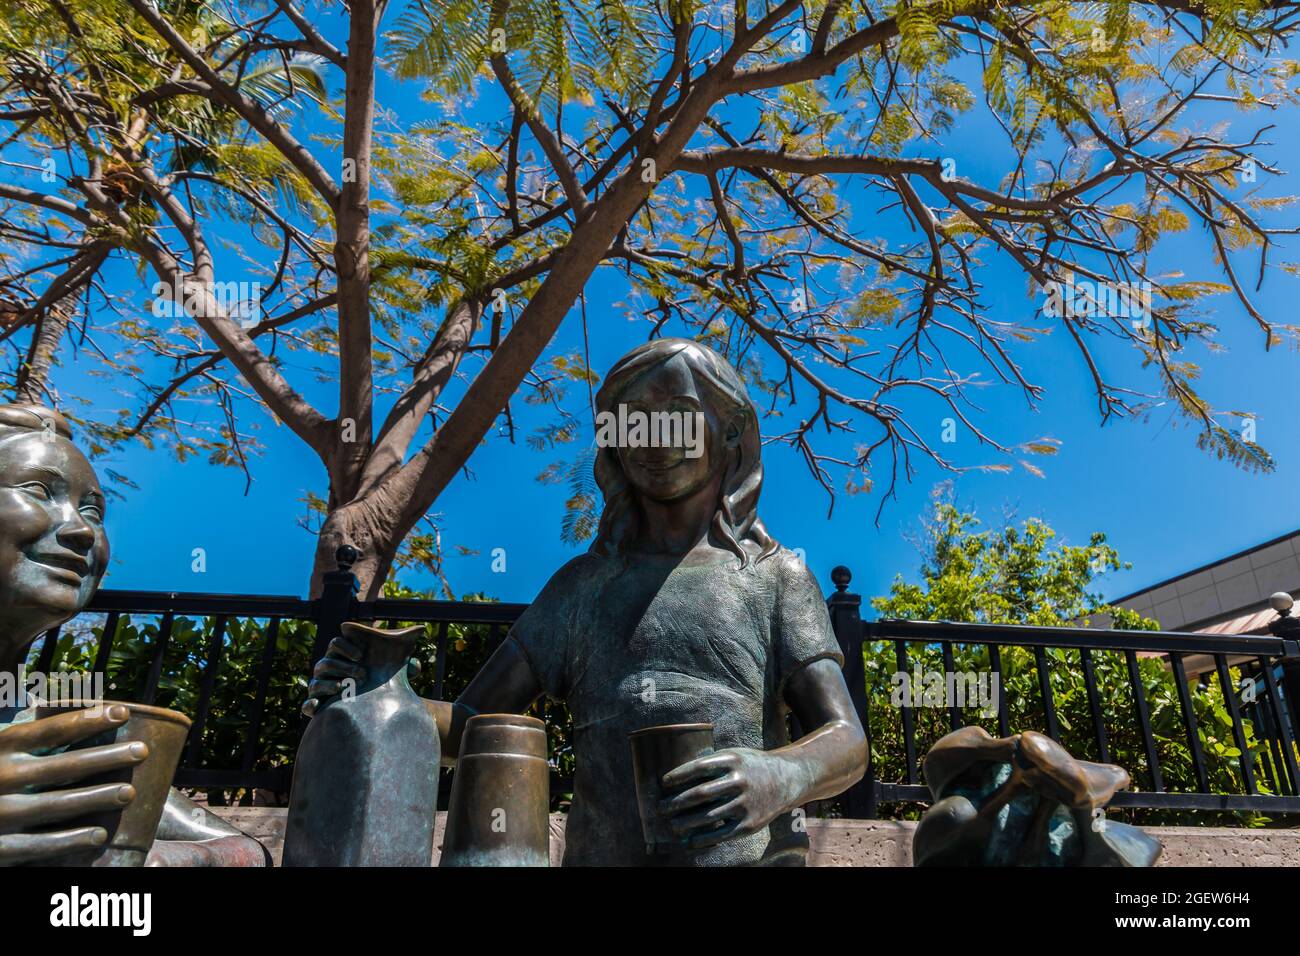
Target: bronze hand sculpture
[
  {"x": 1022, "y": 801},
  {"x": 53, "y": 552},
  {"x": 685, "y": 610}
]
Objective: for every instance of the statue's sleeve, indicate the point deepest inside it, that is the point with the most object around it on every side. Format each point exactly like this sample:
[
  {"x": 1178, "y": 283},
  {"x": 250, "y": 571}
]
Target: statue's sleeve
[
  {"x": 542, "y": 633},
  {"x": 801, "y": 626}
]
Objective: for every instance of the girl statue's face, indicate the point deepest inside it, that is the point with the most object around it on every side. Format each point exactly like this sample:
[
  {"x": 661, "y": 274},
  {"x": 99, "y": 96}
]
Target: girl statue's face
[
  {"x": 53, "y": 549},
  {"x": 682, "y": 466}
]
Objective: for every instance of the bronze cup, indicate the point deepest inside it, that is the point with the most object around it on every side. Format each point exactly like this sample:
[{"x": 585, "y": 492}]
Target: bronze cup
[
  {"x": 655, "y": 752},
  {"x": 130, "y": 830},
  {"x": 500, "y": 795}
]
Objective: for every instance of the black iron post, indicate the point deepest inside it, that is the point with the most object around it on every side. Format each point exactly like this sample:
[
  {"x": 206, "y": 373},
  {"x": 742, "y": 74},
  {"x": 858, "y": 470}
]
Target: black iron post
[
  {"x": 846, "y": 619},
  {"x": 1288, "y": 629},
  {"x": 334, "y": 606}
]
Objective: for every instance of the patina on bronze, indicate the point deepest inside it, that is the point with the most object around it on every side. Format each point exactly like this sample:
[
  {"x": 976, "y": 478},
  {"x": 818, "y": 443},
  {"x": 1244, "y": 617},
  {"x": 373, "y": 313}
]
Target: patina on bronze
[
  {"x": 53, "y": 552},
  {"x": 130, "y": 828},
  {"x": 655, "y": 752},
  {"x": 365, "y": 783},
  {"x": 685, "y": 610},
  {"x": 500, "y": 795},
  {"x": 1022, "y": 801}
]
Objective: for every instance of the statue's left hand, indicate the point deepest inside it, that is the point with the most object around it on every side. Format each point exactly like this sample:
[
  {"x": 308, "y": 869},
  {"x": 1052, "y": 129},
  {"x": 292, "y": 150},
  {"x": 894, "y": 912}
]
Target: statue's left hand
[{"x": 730, "y": 793}]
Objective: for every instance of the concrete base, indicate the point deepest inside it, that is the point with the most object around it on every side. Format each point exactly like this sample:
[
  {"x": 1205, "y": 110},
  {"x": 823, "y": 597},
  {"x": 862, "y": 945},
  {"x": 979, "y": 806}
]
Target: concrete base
[{"x": 889, "y": 843}]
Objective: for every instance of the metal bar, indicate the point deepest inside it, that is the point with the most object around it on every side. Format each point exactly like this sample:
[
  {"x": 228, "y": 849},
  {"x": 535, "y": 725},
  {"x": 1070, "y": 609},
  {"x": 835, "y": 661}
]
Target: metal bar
[
  {"x": 1189, "y": 721},
  {"x": 1144, "y": 720},
  {"x": 46, "y": 660},
  {"x": 1045, "y": 689},
  {"x": 1238, "y": 731},
  {"x": 183, "y": 603},
  {"x": 106, "y": 639},
  {"x": 1269, "y": 758},
  {"x": 205, "y": 690},
  {"x": 277, "y": 780},
  {"x": 468, "y": 612},
  {"x": 851, "y": 634},
  {"x": 1288, "y": 743},
  {"x": 155, "y": 666},
  {"x": 440, "y": 661},
  {"x": 909, "y": 728},
  {"x": 272, "y": 634},
  {"x": 1291, "y": 687},
  {"x": 1094, "y": 705},
  {"x": 1022, "y": 635},
  {"x": 949, "y": 669},
  {"x": 1004, "y": 715}
]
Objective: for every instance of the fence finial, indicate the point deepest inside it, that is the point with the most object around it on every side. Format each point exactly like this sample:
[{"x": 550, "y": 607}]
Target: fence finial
[
  {"x": 841, "y": 576},
  {"x": 346, "y": 556},
  {"x": 1282, "y": 602}
]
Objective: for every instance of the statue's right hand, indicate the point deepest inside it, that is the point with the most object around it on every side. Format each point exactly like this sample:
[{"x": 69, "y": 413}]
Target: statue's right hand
[
  {"x": 332, "y": 673},
  {"x": 23, "y": 770}
]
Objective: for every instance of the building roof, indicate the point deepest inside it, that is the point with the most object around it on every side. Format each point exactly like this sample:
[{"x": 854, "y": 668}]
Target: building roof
[{"x": 1229, "y": 593}]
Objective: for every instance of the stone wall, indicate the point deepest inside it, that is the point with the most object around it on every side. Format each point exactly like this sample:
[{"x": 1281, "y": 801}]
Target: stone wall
[{"x": 889, "y": 843}]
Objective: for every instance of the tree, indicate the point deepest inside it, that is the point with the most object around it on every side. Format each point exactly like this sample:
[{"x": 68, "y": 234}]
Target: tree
[
  {"x": 1019, "y": 574},
  {"x": 728, "y": 161}
]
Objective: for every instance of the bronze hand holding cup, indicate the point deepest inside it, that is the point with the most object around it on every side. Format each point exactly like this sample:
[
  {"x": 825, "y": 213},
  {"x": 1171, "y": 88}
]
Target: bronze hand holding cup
[
  {"x": 44, "y": 826},
  {"x": 655, "y": 752},
  {"x": 154, "y": 737}
]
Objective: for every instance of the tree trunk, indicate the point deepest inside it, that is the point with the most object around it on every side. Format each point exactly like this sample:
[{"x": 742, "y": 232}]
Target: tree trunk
[
  {"x": 365, "y": 526},
  {"x": 34, "y": 373}
]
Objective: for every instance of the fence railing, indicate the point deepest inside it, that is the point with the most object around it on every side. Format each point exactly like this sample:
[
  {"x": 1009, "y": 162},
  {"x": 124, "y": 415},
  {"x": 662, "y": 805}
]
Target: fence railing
[
  {"x": 254, "y": 654},
  {"x": 1269, "y": 669}
]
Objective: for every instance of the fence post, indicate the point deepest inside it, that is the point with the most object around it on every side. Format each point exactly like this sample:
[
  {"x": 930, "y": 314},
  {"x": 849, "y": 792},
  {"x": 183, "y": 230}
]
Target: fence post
[
  {"x": 334, "y": 606},
  {"x": 1288, "y": 628},
  {"x": 846, "y": 619}
]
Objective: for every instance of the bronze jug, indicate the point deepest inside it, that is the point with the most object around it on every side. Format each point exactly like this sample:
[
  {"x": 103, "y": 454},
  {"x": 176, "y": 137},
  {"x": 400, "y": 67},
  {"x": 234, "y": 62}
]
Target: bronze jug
[
  {"x": 365, "y": 784},
  {"x": 500, "y": 795}
]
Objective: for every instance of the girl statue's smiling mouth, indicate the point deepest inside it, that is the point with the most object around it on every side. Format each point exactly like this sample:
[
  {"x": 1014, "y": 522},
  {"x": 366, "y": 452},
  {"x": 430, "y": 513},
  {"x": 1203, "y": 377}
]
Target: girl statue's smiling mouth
[{"x": 69, "y": 567}]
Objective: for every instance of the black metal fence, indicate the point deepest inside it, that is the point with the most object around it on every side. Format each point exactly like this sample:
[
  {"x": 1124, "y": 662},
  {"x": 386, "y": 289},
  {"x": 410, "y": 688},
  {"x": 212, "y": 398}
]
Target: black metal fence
[{"x": 259, "y": 650}]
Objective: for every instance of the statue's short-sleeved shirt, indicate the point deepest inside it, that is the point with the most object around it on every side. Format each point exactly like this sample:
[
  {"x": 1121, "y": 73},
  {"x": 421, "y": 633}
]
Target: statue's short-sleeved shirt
[{"x": 634, "y": 644}]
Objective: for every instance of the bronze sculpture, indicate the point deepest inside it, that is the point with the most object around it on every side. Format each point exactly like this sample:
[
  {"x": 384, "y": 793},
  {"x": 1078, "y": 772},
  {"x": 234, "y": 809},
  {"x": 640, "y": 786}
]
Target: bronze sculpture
[
  {"x": 501, "y": 794},
  {"x": 685, "y": 610},
  {"x": 53, "y": 552},
  {"x": 365, "y": 784},
  {"x": 1022, "y": 801}
]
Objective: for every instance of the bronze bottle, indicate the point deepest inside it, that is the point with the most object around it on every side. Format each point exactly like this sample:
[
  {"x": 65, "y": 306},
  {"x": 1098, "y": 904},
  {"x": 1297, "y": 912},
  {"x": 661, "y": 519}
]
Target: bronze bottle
[{"x": 365, "y": 785}]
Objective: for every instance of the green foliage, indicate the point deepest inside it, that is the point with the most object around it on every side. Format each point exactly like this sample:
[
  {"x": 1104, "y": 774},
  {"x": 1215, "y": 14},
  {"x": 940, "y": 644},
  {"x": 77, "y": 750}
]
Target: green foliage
[
  {"x": 229, "y": 726},
  {"x": 1018, "y": 575}
]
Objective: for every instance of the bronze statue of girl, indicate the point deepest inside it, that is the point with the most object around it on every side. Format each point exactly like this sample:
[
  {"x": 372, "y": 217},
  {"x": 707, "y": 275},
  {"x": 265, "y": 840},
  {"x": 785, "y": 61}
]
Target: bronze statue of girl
[{"x": 684, "y": 610}]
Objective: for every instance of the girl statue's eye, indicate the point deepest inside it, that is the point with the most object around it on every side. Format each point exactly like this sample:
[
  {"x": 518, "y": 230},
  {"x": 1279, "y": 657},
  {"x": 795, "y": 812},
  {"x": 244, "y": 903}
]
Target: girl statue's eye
[
  {"x": 93, "y": 511},
  {"x": 36, "y": 489}
]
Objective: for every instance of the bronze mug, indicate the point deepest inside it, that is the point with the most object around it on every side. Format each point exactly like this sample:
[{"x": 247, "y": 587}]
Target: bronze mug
[
  {"x": 131, "y": 829},
  {"x": 500, "y": 795},
  {"x": 655, "y": 752}
]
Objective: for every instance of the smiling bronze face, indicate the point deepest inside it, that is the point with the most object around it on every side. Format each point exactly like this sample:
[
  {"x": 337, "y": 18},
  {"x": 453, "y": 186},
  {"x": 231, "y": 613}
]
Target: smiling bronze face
[
  {"x": 53, "y": 549},
  {"x": 668, "y": 472}
]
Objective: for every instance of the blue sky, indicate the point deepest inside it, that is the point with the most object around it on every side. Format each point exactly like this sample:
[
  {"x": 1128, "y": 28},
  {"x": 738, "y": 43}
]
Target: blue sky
[{"x": 1165, "y": 505}]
